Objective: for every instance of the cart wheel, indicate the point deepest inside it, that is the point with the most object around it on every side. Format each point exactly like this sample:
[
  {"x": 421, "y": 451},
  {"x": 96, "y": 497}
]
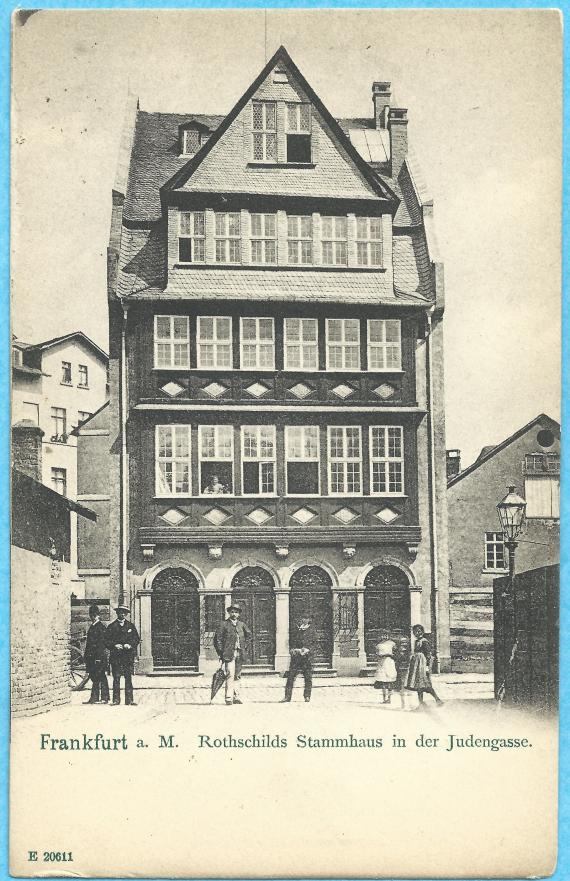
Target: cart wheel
[{"x": 77, "y": 675}]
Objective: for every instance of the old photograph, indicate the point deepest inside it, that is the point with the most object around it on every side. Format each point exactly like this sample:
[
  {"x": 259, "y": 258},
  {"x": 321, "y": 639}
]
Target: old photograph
[{"x": 285, "y": 435}]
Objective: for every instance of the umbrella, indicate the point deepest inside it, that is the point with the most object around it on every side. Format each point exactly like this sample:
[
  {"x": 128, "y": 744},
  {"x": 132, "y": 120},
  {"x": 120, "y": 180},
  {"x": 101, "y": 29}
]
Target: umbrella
[{"x": 218, "y": 680}]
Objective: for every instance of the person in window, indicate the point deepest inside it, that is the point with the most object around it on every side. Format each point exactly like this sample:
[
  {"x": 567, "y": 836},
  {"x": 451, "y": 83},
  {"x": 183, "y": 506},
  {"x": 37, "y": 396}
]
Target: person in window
[
  {"x": 419, "y": 675},
  {"x": 302, "y": 646},
  {"x": 386, "y": 673},
  {"x": 215, "y": 487}
]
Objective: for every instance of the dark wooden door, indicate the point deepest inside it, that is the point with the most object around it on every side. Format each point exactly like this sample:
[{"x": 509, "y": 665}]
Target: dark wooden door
[
  {"x": 386, "y": 606},
  {"x": 258, "y": 613},
  {"x": 175, "y": 610},
  {"x": 311, "y": 596},
  {"x": 253, "y": 589}
]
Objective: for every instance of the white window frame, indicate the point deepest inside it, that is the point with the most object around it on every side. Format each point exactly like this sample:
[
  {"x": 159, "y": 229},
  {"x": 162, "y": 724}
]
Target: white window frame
[
  {"x": 366, "y": 243},
  {"x": 171, "y": 341},
  {"x": 335, "y": 238},
  {"x": 57, "y": 417},
  {"x": 297, "y": 239},
  {"x": 389, "y": 432},
  {"x": 216, "y": 457},
  {"x": 266, "y": 134},
  {"x": 494, "y": 540},
  {"x": 345, "y": 460},
  {"x": 343, "y": 344},
  {"x": 194, "y": 237},
  {"x": 303, "y": 429},
  {"x": 380, "y": 350},
  {"x": 224, "y": 238},
  {"x": 83, "y": 370},
  {"x": 58, "y": 479},
  {"x": 294, "y": 125},
  {"x": 214, "y": 342},
  {"x": 185, "y": 133},
  {"x": 258, "y": 458},
  {"x": 257, "y": 342},
  {"x": 66, "y": 369},
  {"x": 301, "y": 344},
  {"x": 263, "y": 238},
  {"x": 173, "y": 459}
]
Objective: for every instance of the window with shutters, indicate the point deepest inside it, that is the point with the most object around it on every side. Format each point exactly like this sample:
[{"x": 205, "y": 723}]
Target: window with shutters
[
  {"x": 191, "y": 237},
  {"x": 301, "y": 344},
  {"x": 542, "y": 485},
  {"x": 298, "y": 132},
  {"x": 214, "y": 341},
  {"x": 258, "y": 460},
  {"x": 300, "y": 239},
  {"x": 257, "y": 344},
  {"x": 216, "y": 459},
  {"x": 172, "y": 460},
  {"x": 264, "y": 115},
  {"x": 386, "y": 460},
  {"x": 369, "y": 241},
  {"x": 302, "y": 460},
  {"x": 345, "y": 460},
  {"x": 228, "y": 237},
  {"x": 384, "y": 344},
  {"x": 171, "y": 341},
  {"x": 263, "y": 238},
  {"x": 333, "y": 241},
  {"x": 343, "y": 343}
]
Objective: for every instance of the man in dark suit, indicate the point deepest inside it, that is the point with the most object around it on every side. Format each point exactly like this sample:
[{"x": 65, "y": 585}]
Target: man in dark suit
[
  {"x": 96, "y": 657},
  {"x": 122, "y": 641},
  {"x": 230, "y": 641},
  {"x": 302, "y": 641}
]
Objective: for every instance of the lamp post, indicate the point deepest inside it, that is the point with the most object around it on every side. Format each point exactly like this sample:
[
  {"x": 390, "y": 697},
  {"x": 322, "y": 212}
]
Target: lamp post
[{"x": 511, "y": 511}]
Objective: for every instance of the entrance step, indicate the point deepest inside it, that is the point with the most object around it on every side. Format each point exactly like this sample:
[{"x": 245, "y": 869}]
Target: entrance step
[
  {"x": 322, "y": 671},
  {"x": 258, "y": 670},
  {"x": 175, "y": 671}
]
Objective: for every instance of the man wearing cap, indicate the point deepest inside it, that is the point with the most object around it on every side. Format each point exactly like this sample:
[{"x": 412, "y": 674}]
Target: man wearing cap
[
  {"x": 230, "y": 641},
  {"x": 302, "y": 643},
  {"x": 96, "y": 657},
  {"x": 122, "y": 640}
]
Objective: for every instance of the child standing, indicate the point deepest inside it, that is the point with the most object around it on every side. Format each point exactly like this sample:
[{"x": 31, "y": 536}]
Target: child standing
[{"x": 386, "y": 674}]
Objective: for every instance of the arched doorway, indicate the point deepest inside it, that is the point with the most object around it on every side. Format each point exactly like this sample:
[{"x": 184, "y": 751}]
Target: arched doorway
[
  {"x": 386, "y": 605},
  {"x": 175, "y": 610},
  {"x": 253, "y": 590},
  {"x": 311, "y": 595}
]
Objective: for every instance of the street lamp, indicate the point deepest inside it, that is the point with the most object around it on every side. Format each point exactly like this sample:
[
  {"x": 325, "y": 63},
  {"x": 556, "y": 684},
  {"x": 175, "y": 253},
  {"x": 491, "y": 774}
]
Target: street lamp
[{"x": 511, "y": 511}]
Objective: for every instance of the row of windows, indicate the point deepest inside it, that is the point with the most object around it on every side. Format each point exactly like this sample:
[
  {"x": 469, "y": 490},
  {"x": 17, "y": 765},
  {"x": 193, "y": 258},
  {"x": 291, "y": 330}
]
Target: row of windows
[
  {"x": 332, "y": 236},
  {"x": 257, "y": 343},
  {"x": 67, "y": 376},
  {"x": 301, "y": 466}
]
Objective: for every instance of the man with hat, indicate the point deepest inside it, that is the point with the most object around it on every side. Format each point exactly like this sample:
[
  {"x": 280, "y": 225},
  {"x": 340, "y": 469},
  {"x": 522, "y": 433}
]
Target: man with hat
[
  {"x": 302, "y": 644},
  {"x": 96, "y": 657},
  {"x": 122, "y": 640},
  {"x": 230, "y": 641}
]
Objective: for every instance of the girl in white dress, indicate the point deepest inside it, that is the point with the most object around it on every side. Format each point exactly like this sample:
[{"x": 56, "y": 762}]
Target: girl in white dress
[{"x": 386, "y": 673}]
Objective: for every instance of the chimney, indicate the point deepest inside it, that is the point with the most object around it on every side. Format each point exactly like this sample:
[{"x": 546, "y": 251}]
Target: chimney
[
  {"x": 398, "y": 127},
  {"x": 453, "y": 463},
  {"x": 381, "y": 100},
  {"x": 27, "y": 449}
]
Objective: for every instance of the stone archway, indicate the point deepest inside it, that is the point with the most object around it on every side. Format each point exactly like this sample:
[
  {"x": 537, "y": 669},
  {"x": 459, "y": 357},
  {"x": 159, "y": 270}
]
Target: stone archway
[
  {"x": 253, "y": 588},
  {"x": 311, "y": 595},
  {"x": 175, "y": 619},
  {"x": 386, "y": 605}
]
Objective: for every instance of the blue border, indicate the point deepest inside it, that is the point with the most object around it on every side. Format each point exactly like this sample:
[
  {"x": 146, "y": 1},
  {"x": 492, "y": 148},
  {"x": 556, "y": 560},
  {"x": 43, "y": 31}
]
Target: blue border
[{"x": 563, "y": 868}]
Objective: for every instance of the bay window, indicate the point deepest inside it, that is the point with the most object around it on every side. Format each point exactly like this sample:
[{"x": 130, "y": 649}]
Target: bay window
[
  {"x": 386, "y": 460},
  {"x": 343, "y": 343},
  {"x": 258, "y": 459},
  {"x": 302, "y": 460},
  {"x": 345, "y": 460},
  {"x": 216, "y": 459},
  {"x": 172, "y": 460}
]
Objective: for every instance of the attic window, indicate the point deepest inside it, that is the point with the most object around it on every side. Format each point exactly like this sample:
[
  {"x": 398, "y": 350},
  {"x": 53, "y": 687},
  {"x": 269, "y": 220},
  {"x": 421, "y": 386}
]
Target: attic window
[
  {"x": 264, "y": 131},
  {"x": 280, "y": 76},
  {"x": 298, "y": 132},
  {"x": 191, "y": 141}
]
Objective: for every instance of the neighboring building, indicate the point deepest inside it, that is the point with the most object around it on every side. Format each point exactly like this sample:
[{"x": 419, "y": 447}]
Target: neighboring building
[
  {"x": 530, "y": 460},
  {"x": 57, "y": 385},
  {"x": 40, "y": 580},
  {"x": 276, "y": 363}
]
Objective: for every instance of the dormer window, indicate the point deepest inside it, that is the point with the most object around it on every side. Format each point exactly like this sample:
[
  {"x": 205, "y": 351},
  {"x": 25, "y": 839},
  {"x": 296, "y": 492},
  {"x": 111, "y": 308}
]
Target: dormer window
[
  {"x": 191, "y": 141},
  {"x": 298, "y": 132},
  {"x": 264, "y": 131}
]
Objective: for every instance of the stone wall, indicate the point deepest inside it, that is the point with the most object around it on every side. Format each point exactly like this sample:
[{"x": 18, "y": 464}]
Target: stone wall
[{"x": 40, "y": 632}]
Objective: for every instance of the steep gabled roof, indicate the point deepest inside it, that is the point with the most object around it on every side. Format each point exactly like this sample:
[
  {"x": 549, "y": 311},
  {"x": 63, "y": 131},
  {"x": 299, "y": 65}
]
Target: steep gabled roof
[
  {"x": 48, "y": 344},
  {"x": 382, "y": 190},
  {"x": 489, "y": 452}
]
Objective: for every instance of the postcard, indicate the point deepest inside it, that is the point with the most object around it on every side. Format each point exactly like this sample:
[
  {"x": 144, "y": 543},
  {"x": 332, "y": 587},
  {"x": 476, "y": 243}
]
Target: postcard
[{"x": 285, "y": 443}]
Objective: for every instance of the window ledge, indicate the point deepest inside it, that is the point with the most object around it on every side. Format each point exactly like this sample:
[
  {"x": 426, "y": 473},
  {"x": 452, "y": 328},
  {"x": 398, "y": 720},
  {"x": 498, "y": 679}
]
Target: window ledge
[
  {"x": 67, "y": 384},
  {"x": 494, "y": 571},
  {"x": 82, "y": 386},
  {"x": 260, "y": 164},
  {"x": 281, "y": 267}
]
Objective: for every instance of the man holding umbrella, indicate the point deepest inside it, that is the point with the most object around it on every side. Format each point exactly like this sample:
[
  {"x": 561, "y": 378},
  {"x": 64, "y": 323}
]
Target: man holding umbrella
[
  {"x": 122, "y": 640},
  {"x": 230, "y": 641}
]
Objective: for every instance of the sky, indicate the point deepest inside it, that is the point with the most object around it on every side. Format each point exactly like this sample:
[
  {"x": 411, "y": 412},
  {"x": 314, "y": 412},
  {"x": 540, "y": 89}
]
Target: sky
[{"x": 483, "y": 92}]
